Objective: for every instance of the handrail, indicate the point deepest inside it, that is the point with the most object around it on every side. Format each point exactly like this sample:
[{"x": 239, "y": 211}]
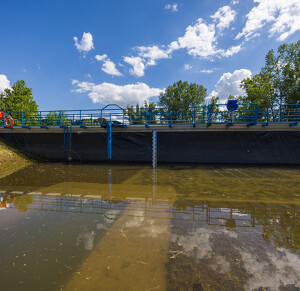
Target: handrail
[{"x": 250, "y": 114}]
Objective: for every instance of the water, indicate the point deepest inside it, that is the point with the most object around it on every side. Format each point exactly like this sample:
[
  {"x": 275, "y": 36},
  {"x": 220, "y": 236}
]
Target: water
[{"x": 126, "y": 227}]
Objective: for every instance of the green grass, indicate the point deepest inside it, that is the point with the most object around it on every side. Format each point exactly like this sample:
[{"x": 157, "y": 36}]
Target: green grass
[{"x": 11, "y": 160}]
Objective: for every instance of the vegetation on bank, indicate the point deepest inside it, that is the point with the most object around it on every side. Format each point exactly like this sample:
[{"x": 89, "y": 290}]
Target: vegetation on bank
[{"x": 11, "y": 161}]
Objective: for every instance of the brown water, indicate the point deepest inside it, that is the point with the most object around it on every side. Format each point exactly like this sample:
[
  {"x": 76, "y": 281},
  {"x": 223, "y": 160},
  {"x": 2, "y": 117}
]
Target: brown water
[{"x": 125, "y": 227}]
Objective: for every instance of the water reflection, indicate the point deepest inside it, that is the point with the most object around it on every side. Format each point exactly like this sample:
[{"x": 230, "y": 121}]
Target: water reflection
[{"x": 168, "y": 229}]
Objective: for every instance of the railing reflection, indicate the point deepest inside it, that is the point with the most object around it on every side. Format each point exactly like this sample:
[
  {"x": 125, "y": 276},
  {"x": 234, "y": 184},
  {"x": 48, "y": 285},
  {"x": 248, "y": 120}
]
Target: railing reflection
[{"x": 279, "y": 224}]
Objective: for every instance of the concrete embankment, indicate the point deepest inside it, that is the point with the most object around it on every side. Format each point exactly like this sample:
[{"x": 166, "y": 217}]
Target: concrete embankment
[{"x": 11, "y": 161}]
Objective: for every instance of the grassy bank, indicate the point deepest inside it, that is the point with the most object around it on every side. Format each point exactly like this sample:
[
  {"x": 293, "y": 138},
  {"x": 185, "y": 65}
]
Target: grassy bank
[{"x": 11, "y": 161}]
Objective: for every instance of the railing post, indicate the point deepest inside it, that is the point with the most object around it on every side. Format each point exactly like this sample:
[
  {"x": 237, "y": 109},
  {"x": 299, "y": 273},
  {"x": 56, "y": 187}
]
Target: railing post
[
  {"x": 146, "y": 119},
  {"x": 91, "y": 118},
  {"x": 79, "y": 117},
  {"x": 170, "y": 118},
  {"x": 267, "y": 114},
  {"x": 280, "y": 111},
  {"x": 296, "y": 113},
  {"x": 101, "y": 118},
  {"x": 109, "y": 140},
  {"x": 255, "y": 113},
  {"x": 70, "y": 145},
  {"x": 194, "y": 116},
  {"x": 209, "y": 107},
  {"x": 40, "y": 118},
  {"x": 60, "y": 119},
  {"x": 22, "y": 122}
]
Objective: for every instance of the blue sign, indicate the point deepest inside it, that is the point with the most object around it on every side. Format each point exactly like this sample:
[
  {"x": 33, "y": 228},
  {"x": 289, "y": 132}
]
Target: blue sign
[{"x": 232, "y": 105}]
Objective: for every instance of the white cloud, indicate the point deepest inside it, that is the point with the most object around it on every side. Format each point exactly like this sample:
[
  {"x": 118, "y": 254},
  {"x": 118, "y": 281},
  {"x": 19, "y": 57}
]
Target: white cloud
[
  {"x": 283, "y": 15},
  {"x": 224, "y": 17},
  {"x": 138, "y": 67},
  {"x": 152, "y": 53},
  {"x": 187, "y": 67},
  {"x": 86, "y": 43},
  {"x": 101, "y": 58},
  {"x": 229, "y": 84},
  {"x": 231, "y": 51},
  {"x": 172, "y": 7},
  {"x": 234, "y": 2},
  {"x": 108, "y": 93},
  {"x": 206, "y": 71},
  {"x": 4, "y": 83},
  {"x": 147, "y": 56},
  {"x": 200, "y": 40},
  {"x": 109, "y": 67}
]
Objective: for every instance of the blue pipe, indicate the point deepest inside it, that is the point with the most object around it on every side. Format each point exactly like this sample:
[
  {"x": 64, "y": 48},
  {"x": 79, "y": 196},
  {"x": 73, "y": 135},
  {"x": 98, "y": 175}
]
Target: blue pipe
[{"x": 109, "y": 140}]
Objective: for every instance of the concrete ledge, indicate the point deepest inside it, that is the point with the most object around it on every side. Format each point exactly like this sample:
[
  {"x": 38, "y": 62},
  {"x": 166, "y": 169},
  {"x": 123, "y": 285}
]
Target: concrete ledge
[{"x": 163, "y": 128}]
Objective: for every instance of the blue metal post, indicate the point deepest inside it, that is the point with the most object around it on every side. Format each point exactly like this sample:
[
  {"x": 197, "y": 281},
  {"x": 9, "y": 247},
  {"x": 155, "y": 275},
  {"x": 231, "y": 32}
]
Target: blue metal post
[
  {"x": 109, "y": 140},
  {"x": 194, "y": 117},
  {"x": 60, "y": 119},
  {"x": 280, "y": 108},
  {"x": 80, "y": 118},
  {"x": 255, "y": 113},
  {"x": 64, "y": 140},
  {"x": 22, "y": 119},
  {"x": 70, "y": 145},
  {"x": 297, "y": 114}
]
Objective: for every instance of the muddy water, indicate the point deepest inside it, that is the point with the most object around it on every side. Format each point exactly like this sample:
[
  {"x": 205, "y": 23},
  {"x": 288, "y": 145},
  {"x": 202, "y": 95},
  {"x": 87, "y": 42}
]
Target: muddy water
[{"x": 112, "y": 227}]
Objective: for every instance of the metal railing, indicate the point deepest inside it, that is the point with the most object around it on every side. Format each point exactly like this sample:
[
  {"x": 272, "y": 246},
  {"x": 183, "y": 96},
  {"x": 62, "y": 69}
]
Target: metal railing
[{"x": 206, "y": 114}]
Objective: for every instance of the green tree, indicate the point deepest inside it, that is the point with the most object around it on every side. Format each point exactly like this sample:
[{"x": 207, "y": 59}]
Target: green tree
[
  {"x": 279, "y": 80},
  {"x": 182, "y": 94},
  {"x": 179, "y": 98},
  {"x": 18, "y": 98},
  {"x": 56, "y": 118},
  {"x": 260, "y": 89},
  {"x": 141, "y": 115}
]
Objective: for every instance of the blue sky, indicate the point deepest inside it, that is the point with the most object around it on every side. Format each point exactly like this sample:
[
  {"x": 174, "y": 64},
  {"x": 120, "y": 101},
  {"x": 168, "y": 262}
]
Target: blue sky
[{"x": 84, "y": 54}]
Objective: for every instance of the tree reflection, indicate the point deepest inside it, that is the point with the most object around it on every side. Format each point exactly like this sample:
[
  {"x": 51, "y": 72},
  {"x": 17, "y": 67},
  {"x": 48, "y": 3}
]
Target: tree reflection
[
  {"x": 280, "y": 224},
  {"x": 22, "y": 202}
]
